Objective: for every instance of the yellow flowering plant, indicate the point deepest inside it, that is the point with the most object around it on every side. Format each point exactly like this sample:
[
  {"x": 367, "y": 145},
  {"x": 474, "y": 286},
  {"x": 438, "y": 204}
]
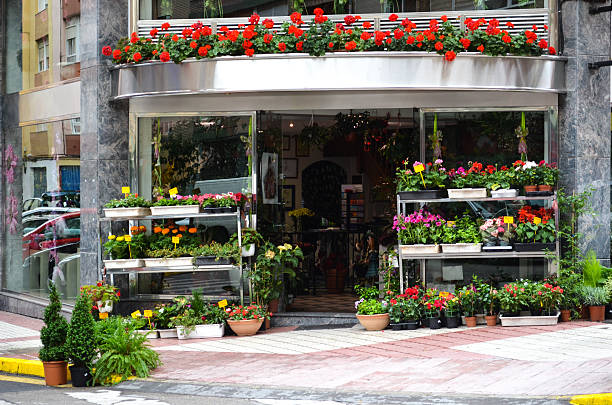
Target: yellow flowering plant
[
  {"x": 301, "y": 212},
  {"x": 125, "y": 247}
]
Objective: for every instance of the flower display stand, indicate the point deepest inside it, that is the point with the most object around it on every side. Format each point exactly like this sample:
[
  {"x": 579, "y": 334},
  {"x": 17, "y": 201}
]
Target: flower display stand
[
  {"x": 534, "y": 247},
  {"x": 128, "y": 212},
  {"x": 529, "y": 320}
]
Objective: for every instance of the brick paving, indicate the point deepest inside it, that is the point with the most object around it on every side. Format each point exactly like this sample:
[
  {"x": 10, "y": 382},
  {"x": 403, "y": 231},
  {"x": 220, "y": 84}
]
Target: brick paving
[{"x": 566, "y": 359}]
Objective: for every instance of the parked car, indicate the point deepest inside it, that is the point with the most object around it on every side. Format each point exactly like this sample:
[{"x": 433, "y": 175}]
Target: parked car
[{"x": 61, "y": 234}]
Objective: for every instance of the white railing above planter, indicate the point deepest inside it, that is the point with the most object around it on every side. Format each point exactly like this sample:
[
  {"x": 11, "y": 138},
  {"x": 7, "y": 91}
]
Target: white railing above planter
[{"x": 523, "y": 19}]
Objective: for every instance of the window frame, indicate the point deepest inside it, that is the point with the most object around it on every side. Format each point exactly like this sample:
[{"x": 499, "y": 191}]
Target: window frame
[
  {"x": 43, "y": 45},
  {"x": 73, "y": 25}
]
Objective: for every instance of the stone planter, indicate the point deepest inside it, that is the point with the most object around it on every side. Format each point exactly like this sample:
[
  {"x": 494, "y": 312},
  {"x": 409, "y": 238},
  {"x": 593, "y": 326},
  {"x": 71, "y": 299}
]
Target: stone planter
[
  {"x": 169, "y": 262},
  {"x": 175, "y": 210},
  {"x": 105, "y": 306},
  {"x": 529, "y": 320},
  {"x": 374, "y": 322},
  {"x": 132, "y": 212},
  {"x": 167, "y": 333},
  {"x": 245, "y": 327},
  {"x": 465, "y": 193},
  {"x": 123, "y": 263},
  {"x": 422, "y": 195},
  {"x": 216, "y": 330},
  {"x": 504, "y": 193},
  {"x": 461, "y": 247},
  {"x": 414, "y": 250}
]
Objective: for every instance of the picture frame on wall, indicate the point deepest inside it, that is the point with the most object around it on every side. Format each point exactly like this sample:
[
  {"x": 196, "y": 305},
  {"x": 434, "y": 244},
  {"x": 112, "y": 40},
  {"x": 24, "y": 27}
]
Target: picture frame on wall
[
  {"x": 290, "y": 168},
  {"x": 286, "y": 142},
  {"x": 289, "y": 197},
  {"x": 302, "y": 148}
]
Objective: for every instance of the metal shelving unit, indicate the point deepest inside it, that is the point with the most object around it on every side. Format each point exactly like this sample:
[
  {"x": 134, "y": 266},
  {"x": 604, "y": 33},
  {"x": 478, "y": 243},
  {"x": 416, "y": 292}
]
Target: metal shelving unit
[
  {"x": 422, "y": 258},
  {"x": 133, "y": 272}
]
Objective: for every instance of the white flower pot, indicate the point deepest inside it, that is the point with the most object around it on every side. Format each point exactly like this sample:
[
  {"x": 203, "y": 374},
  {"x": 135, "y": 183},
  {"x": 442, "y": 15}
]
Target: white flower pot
[
  {"x": 504, "y": 193},
  {"x": 169, "y": 262},
  {"x": 175, "y": 210},
  {"x": 167, "y": 333},
  {"x": 123, "y": 263},
  {"x": 150, "y": 334},
  {"x": 461, "y": 247},
  {"x": 105, "y": 306},
  {"x": 467, "y": 193},
  {"x": 419, "y": 249},
  {"x": 529, "y": 320},
  {"x": 216, "y": 330},
  {"x": 131, "y": 212},
  {"x": 248, "y": 250}
]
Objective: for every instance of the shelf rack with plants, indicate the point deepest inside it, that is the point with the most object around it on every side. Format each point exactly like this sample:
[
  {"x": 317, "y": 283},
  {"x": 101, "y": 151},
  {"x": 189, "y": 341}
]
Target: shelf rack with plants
[
  {"x": 402, "y": 204},
  {"x": 184, "y": 267}
]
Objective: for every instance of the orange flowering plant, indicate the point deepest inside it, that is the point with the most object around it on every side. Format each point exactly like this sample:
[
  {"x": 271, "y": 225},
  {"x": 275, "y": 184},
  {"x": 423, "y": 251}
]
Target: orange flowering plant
[{"x": 239, "y": 312}]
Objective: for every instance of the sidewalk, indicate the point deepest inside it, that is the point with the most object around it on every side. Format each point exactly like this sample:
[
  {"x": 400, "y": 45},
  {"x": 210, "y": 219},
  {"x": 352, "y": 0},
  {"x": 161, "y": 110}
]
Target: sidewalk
[{"x": 567, "y": 359}]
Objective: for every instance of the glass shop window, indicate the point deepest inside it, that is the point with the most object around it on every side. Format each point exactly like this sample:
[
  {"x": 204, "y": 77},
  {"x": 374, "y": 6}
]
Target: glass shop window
[{"x": 177, "y": 9}]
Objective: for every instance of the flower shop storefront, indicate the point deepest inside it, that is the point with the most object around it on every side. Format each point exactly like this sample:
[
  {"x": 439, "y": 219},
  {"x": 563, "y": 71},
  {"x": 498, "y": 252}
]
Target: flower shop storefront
[{"x": 326, "y": 135}]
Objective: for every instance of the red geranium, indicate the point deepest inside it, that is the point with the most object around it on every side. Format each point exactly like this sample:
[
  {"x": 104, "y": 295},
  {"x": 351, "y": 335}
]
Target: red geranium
[
  {"x": 249, "y": 52},
  {"x": 269, "y": 24},
  {"x": 349, "y": 19},
  {"x": 165, "y": 26},
  {"x": 299, "y": 46},
  {"x": 282, "y": 46},
  {"x": 254, "y": 19},
  {"x": 117, "y": 54},
  {"x": 350, "y": 45},
  {"x": 552, "y": 50},
  {"x": 268, "y": 38},
  {"x": 393, "y": 17},
  {"x": 193, "y": 44},
  {"x": 367, "y": 25},
  {"x": 410, "y": 40},
  {"x": 107, "y": 50},
  {"x": 465, "y": 42},
  {"x": 318, "y": 11},
  {"x": 175, "y": 37},
  {"x": 439, "y": 45},
  {"x": 164, "y": 56},
  {"x": 480, "y": 48},
  {"x": 137, "y": 57},
  {"x": 450, "y": 56},
  {"x": 296, "y": 18},
  {"x": 202, "y": 51}
]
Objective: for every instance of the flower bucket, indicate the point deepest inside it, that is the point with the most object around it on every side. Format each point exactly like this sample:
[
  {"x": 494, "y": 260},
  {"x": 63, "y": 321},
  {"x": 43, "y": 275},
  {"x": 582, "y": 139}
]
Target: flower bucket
[
  {"x": 150, "y": 334},
  {"x": 175, "y": 210},
  {"x": 374, "y": 322},
  {"x": 245, "y": 327},
  {"x": 467, "y": 193},
  {"x": 529, "y": 320},
  {"x": 123, "y": 263},
  {"x": 461, "y": 247},
  {"x": 248, "y": 250},
  {"x": 128, "y": 212},
  {"x": 414, "y": 250},
  {"x": 105, "y": 306},
  {"x": 470, "y": 321},
  {"x": 504, "y": 193},
  {"x": 167, "y": 333},
  {"x": 169, "y": 262}
]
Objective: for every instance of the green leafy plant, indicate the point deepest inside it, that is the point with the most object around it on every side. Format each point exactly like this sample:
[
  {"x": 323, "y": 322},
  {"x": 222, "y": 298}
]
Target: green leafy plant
[
  {"x": 164, "y": 313},
  {"x": 528, "y": 232},
  {"x": 371, "y": 307},
  {"x": 169, "y": 253},
  {"x": 512, "y": 298},
  {"x": 123, "y": 353},
  {"x": 170, "y": 202},
  {"x": 591, "y": 270},
  {"x": 594, "y": 296},
  {"x": 463, "y": 230},
  {"x": 130, "y": 201},
  {"x": 101, "y": 292},
  {"x": 228, "y": 250},
  {"x": 53, "y": 334},
  {"x": 434, "y": 176},
  {"x": 249, "y": 236},
  {"x": 368, "y": 293},
  {"x": 81, "y": 339}
]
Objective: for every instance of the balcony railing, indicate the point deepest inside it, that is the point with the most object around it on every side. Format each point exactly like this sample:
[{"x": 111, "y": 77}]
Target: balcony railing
[{"x": 521, "y": 18}]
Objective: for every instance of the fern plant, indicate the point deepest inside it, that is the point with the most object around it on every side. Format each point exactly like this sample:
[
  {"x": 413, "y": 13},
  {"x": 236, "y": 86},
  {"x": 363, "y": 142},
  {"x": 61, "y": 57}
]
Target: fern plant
[
  {"x": 123, "y": 353},
  {"x": 53, "y": 334}
]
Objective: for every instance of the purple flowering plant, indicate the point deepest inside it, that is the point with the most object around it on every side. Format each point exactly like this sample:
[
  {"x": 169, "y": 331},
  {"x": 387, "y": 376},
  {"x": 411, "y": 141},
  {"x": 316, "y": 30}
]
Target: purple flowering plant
[{"x": 420, "y": 227}]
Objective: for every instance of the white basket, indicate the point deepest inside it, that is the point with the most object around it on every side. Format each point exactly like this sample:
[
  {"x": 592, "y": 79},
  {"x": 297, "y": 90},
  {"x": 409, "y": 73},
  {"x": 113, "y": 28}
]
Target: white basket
[
  {"x": 504, "y": 193},
  {"x": 175, "y": 210},
  {"x": 169, "y": 262},
  {"x": 529, "y": 320},
  {"x": 167, "y": 333},
  {"x": 248, "y": 250},
  {"x": 123, "y": 263},
  {"x": 105, "y": 306},
  {"x": 131, "y": 212},
  {"x": 461, "y": 247},
  {"x": 216, "y": 330},
  {"x": 467, "y": 193},
  {"x": 419, "y": 249}
]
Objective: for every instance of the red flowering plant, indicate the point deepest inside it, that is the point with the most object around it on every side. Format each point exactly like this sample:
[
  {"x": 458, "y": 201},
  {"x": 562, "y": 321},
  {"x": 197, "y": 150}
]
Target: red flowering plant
[
  {"x": 527, "y": 231},
  {"x": 240, "y": 313},
  {"x": 546, "y": 297},
  {"x": 474, "y": 176},
  {"x": 406, "y": 306},
  {"x": 501, "y": 178},
  {"x": 101, "y": 292},
  {"x": 512, "y": 298},
  {"x": 547, "y": 174},
  {"x": 433, "y": 303}
]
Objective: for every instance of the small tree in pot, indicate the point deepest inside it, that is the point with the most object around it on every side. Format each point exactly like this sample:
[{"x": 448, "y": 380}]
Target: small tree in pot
[
  {"x": 81, "y": 342},
  {"x": 53, "y": 338}
]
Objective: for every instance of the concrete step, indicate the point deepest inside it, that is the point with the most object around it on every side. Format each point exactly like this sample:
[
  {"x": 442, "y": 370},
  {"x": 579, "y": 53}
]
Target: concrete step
[{"x": 314, "y": 320}]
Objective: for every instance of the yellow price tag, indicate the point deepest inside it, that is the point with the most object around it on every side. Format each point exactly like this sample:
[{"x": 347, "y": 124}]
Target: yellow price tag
[
  {"x": 537, "y": 220},
  {"x": 450, "y": 223},
  {"x": 136, "y": 314},
  {"x": 419, "y": 168},
  {"x": 176, "y": 239},
  {"x": 128, "y": 238},
  {"x": 148, "y": 313},
  {"x": 125, "y": 190},
  {"x": 173, "y": 191},
  {"x": 222, "y": 304},
  {"x": 508, "y": 220},
  {"x": 103, "y": 315}
]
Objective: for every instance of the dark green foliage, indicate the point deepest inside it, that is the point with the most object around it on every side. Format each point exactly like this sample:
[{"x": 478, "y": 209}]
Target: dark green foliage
[
  {"x": 81, "y": 342},
  {"x": 53, "y": 334},
  {"x": 197, "y": 303},
  {"x": 123, "y": 353}
]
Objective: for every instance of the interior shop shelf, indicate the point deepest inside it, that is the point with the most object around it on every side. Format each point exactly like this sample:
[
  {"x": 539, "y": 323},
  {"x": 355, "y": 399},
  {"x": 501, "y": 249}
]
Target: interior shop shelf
[
  {"x": 175, "y": 269},
  {"x": 150, "y": 217},
  {"x": 479, "y": 255},
  {"x": 451, "y": 200}
]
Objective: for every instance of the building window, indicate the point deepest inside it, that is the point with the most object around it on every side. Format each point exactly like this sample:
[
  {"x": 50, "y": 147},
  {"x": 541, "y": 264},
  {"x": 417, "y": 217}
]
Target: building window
[
  {"x": 72, "y": 39},
  {"x": 75, "y": 125},
  {"x": 42, "y": 4},
  {"x": 43, "y": 54}
]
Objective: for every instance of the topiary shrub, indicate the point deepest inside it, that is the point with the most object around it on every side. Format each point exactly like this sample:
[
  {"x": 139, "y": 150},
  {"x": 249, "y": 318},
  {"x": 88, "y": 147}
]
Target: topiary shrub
[
  {"x": 53, "y": 334},
  {"x": 81, "y": 342}
]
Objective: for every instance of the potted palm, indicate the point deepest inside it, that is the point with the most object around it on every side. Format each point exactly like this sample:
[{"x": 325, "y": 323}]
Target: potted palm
[
  {"x": 246, "y": 320},
  {"x": 81, "y": 342},
  {"x": 131, "y": 206},
  {"x": 53, "y": 338}
]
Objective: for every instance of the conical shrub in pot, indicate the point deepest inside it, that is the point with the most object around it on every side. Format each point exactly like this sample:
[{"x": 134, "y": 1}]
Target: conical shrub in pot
[
  {"x": 53, "y": 338},
  {"x": 81, "y": 342}
]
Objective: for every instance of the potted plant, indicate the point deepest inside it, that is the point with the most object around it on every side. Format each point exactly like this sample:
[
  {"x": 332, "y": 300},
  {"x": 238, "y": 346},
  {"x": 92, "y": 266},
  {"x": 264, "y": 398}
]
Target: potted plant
[
  {"x": 53, "y": 339},
  {"x": 103, "y": 295},
  {"x": 81, "y": 341},
  {"x": 405, "y": 309},
  {"x": 372, "y": 314},
  {"x": 251, "y": 239},
  {"x": 530, "y": 237},
  {"x": 452, "y": 306},
  {"x": 131, "y": 206},
  {"x": 488, "y": 296},
  {"x": 216, "y": 254},
  {"x": 468, "y": 184},
  {"x": 502, "y": 182},
  {"x": 411, "y": 186},
  {"x": 596, "y": 299},
  {"x": 496, "y": 235},
  {"x": 144, "y": 324},
  {"x": 177, "y": 205},
  {"x": 548, "y": 174},
  {"x": 470, "y": 304},
  {"x": 525, "y": 294},
  {"x": 419, "y": 233},
  {"x": 180, "y": 256},
  {"x": 461, "y": 235},
  {"x": 527, "y": 175},
  {"x": 246, "y": 320},
  {"x": 164, "y": 314},
  {"x": 432, "y": 305},
  {"x": 126, "y": 251},
  {"x": 511, "y": 299}
]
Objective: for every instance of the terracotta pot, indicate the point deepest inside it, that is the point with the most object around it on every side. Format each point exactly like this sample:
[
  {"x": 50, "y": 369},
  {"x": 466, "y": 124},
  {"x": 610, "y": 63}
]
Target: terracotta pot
[
  {"x": 273, "y": 306},
  {"x": 597, "y": 313},
  {"x": 584, "y": 312},
  {"x": 529, "y": 189},
  {"x": 55, "y": 372},
  {"x": 544, "y": 187},
  {"x": 245, "y": 327},
  {"x": 566, "y": 315},
  {"x": 470, "y": 321},
  {"x": 374, "y": 322},
  {"x": 491, "y": 320},
  {"x": 267, "y": 323}
]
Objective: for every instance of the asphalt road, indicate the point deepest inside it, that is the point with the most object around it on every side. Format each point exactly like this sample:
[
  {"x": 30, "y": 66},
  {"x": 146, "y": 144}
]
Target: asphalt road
[{"x": 18, "y": 390}]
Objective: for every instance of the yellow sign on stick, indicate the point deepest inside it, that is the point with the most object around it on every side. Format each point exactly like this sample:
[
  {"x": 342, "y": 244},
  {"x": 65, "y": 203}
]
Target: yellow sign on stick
[
  {"x": 222, "y": 304},
  {"x": 173, "y": 192},
  {"x": 175, "y": 240},
  {"x": 419, "y": 169},
  {"x": 103, "y": 315},
  {"x": 148, "y": 313},
  {"x": 136, "y": 314},
  {"x": 125, "y": 190},
  {"x": 508, "y": 220},
  {"x": 537, "y": 220},
  {"x": 450, "y": 223}
]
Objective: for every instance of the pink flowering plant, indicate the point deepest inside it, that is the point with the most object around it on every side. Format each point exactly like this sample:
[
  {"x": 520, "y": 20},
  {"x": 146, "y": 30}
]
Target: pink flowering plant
[
  {"x": 420, "y": 227},
  {"x": 434, "y": 176},
  {"x": 494, "y": 231}
]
